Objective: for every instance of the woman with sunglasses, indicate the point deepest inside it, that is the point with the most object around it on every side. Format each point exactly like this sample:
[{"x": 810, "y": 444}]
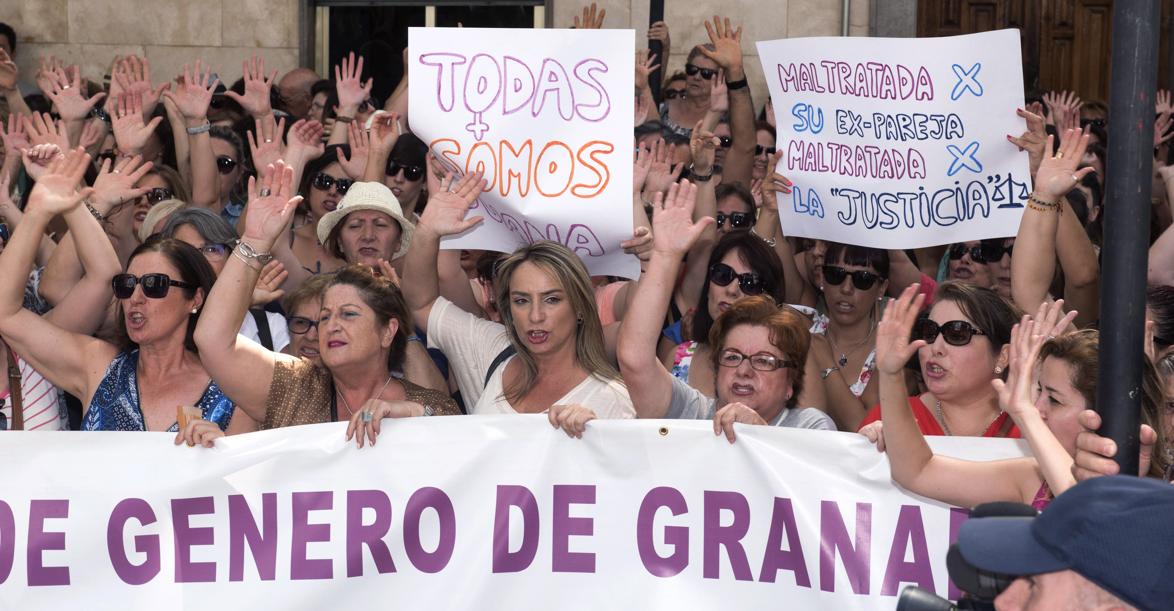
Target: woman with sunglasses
[
  {"x": 360, "y": 331},
  {"x": 137, "y": 384},
  {"x": 764, "y": 147},
  {"x": 324, "y": 183},
  {"x": 854, "y": 282},
  {"x": 964, "y": 346},
  {"x": 759, "y": 349}
]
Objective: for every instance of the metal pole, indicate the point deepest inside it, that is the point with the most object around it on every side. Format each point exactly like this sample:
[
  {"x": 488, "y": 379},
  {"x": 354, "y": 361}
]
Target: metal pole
[
  {"x": 1127, "y": 223},
  {"x": 656, "y": 13}
]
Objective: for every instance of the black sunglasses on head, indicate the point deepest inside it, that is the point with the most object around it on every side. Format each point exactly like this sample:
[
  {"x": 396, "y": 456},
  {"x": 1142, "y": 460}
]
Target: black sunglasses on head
[
  {"x": 955, "y": 332},
  {"x": 706, "y": 73},
  {"x": 155, "y": 286},
  {"x": 225, "y": 164},
  {"x": 722, "y": 275},
  {"x": 672, "y": 94},
  {"x": 323, "y": 182},
  {"x": 738, "y": 220},
  {"x": 411, "y": 172},
  {"x": 861, "y": 279},
  {"x": 981, "y": 254}
]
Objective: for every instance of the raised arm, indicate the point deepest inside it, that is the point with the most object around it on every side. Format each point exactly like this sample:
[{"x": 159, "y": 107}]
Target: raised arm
[
  {"x": 769, "y": 228},
  {"x": 242, "y": 367},
  {"x": 727, "y": 41},
  {"x": 255, "y": 99},
  {"x": 69, "y": 360},
  {"x": 443, "y": 215},
  {"x": 911, "y": 461},
  {"x": 192, "y": 98},
  {"x": 673, "y": 232},
  {"x": 703, "y": 145},
  {"x": 352, "y": 92}
]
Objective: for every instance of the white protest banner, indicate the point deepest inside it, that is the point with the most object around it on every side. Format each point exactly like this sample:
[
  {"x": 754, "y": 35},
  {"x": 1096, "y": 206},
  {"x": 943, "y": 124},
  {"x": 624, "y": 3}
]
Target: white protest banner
[
  {"x": 899, "y": 143},
  {"x": 485, "y": 513},
  {"x": 547, "y": 116}
]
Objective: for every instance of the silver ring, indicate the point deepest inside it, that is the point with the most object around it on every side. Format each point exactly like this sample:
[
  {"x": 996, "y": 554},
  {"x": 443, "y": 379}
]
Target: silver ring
[
  {"x": 268, "y": 140},
  {"x": 367, "y": 416},
  {"x": 64, "y": 87},
  {"x": 265, "y": 192},
  {"x": 115, "y": 171}
]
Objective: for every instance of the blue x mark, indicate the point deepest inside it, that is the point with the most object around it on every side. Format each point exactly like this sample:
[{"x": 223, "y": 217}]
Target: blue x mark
[
  {"x": 967, "y": 81},
  {"x": 964, "y": 158}
]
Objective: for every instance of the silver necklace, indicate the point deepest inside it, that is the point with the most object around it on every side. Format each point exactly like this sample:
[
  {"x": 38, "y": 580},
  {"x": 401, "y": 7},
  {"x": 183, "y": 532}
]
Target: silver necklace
[
  {"x": 844, "y": 355},
  {"x": 352, "y": 412},
  {"x": 946, "y": 427}
]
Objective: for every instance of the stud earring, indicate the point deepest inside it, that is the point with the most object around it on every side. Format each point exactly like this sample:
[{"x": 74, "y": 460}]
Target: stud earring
[
  {"x": 998, "y": 370},
  {"x": 194, "y": 310}
]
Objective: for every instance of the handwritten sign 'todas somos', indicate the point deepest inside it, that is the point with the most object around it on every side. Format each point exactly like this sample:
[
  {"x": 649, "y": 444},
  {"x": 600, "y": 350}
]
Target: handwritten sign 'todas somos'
[
  {"x": 899, "y": 143},
  {"x": 547, "y": 116}
]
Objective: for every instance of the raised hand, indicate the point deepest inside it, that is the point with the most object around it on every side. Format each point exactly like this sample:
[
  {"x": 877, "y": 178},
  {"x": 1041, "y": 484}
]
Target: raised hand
[
  {"x": 42, "y": 129},
  {"x": 130, "y": 133},
  {"x": 1015, "y": 395},
  {"x": 774, "y": 183},
  {"x": 645, "y": 66},
  {"x": 1033, "y": 140},
  {"x": 385, "y": 131},
  {"x": 352, "y": 91},
  {"x": 193, "y": 92},
  {"x": 674, "y": 231},
  {"x": 719, "y": 94},
  {"x": 37, "y": 159},
  {"x": 445, "y": 212},
  {"x": 271, "y": 205},
  {"x": 591, "y": 20},
  {"x": 69, "y": 97},
  {"x": 727, "y": 44},
  {"x": 663, "y": 172},
  {"x": 14, "y": 136},
  {"x": 639, "y": 245},
  {"x": 268, "y": 288},
  {"x": 265, "y": 145},
  {"x": 703, "y": 148},
  {"x": 1162, "y": 103},
  {"x": 1162, "y": 131},
  {"x": 255, "y": 100},
  {"x": 1094, "y": 454},
  {"x": 893, "y": 348},
  {"x": 304, "y": 142},
  {"x": 572, "y": 419},
  {"x": 133, "y": 75},
  {"x": 56, "y": 191},
  {"x": 47, "y": 73},
  {"x": 360, "y": 145},
  {"x": 115, "y": 185},
  {"x": 1057, "y": 173},
  {"x": 8, "y": 71},
  {"x": 660, "y": 31},
  {"x": 640, "y": 168},
  {"x": 93, "y": 134}
]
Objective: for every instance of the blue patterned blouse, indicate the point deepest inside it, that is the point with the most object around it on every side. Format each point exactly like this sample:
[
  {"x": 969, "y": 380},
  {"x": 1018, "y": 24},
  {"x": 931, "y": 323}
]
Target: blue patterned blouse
[{"x": 116, "y": 403}]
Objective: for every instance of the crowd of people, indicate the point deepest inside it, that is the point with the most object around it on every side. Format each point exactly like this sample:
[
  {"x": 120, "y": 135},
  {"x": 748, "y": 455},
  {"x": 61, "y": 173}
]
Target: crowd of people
[{"x": 301, "y": 226}]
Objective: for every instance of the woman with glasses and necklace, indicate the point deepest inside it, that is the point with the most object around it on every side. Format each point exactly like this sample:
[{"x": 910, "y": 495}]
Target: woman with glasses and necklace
[
  {"x": 965, "y": 341},
  {"x": 136, "y": 384},
  {"x": 758, "y": 348},
  {"x": 854, "y": 282}
]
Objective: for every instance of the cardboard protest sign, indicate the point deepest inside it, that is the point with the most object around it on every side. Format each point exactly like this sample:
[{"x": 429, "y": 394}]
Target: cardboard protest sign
[
  {"x": 547, "y": 116},
  {"x": 899, "y": 143}
]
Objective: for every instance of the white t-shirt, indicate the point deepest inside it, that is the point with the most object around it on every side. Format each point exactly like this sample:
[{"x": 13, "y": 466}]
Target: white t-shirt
[
  {"x": 277, "y": 328},
  {"x": 471, "y": 343}
]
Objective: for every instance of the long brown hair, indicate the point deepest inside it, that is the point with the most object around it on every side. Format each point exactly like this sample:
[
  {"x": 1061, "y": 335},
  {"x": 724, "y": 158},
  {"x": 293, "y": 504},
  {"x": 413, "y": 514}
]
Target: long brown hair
[
  {"x": 385, "y": 299},
  {"x": 570, "y": 273}
]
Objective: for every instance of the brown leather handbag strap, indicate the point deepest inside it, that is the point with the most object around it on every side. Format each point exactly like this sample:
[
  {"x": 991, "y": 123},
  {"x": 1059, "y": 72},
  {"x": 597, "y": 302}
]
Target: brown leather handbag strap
[{"x": 14, "y": 391}]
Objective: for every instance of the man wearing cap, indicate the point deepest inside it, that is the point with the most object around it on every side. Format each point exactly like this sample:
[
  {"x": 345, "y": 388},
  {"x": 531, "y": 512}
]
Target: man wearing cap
[
  {"x": 1105, "y": 544},
  {"x": 367, "y": 227}
]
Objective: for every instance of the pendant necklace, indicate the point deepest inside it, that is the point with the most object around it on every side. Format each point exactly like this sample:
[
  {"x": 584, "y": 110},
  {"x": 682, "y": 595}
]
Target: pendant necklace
[{"x": 348, "y": 405}]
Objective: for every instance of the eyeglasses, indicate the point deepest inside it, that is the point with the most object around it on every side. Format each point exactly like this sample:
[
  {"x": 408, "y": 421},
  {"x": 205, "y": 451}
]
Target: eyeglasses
[
  {"x": 672, "y": 94},
  {"x": 725, "y": 141},
  {"x": 706, "y": 73},
  {"x": 158, "y": 194},
  {"x": 225, "y": 164},
  {"x": 955, "y": 332},
  {"x": 154, "y": 286},
  {"x": 300, "y": 325},
  {"x": 1093, "y": 122},
  {"x": 861, "y": 279},
  {"x": 738, "y": 220},
  {"x": 411, "y": 172},
  {"x": 759, "y": 149},
  {"x": 981, "y": 254},
  {"x": 323, "y": 182},
  {"x": 763, "y": 361},
  {"x": 216, "y": 252},
  {"x": 722, "y": 275}
]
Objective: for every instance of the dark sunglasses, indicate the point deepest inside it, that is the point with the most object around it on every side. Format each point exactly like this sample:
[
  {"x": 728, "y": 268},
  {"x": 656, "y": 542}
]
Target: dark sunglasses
[
  {"x": 411, "y": 172},
  {"x": 672, "y": 94},
  {"x": 158, "y": 194},
  {"x": 1093, "y": 122},
  {"x": 738, "y": 220},
  {"x": 369, "y": 105},
  {"x": 154, "y": 286},
  {"x": 4, "y": 234},
  {"x": 225, "y": 164},
  {"x": 323, "y": 182},
  {"x": 955, "y": 332},
  {"x": 861, "y": 279},
  {"x": 981, "y": 254},
  {"x": 722, "y": 275},
  {"x": 758, "y": 149},
  {"x": 300, "y": 325},
  {"x": 706, "y": 73},
  {"x": 763, "y": 361},
  {"x": 725, "y": 141}
]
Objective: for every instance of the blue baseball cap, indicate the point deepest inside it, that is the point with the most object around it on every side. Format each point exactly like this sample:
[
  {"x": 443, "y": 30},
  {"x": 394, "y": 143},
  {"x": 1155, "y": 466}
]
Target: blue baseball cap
[{"x": 1117, "y": 532}]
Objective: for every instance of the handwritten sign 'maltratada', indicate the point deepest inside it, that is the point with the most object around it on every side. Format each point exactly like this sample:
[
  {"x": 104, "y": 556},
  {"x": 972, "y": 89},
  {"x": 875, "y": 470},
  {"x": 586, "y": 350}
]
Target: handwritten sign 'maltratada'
[
  {"x": 547, "y": 116},
  {"x": 899, "y": 143}
]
